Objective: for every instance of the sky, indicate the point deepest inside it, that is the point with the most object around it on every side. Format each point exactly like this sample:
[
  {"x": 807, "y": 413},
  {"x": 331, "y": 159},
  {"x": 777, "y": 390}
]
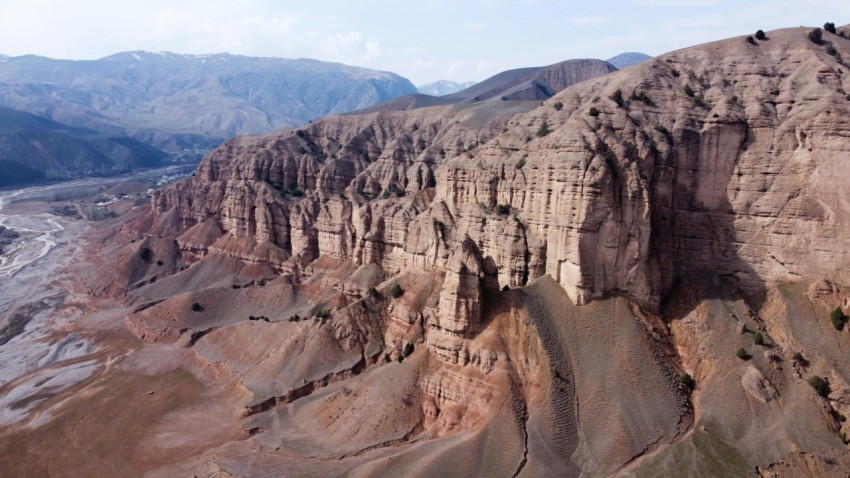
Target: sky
[{"x": 425, "y": 41}]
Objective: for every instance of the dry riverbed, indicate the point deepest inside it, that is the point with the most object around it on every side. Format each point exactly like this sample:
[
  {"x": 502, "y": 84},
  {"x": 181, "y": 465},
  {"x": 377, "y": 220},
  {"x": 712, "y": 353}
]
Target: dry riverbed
[{"x": 79, "y": 394}]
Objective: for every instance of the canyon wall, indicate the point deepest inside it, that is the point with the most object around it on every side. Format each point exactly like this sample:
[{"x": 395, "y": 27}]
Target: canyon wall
[
  {"x": 717, "y": 167},
  {"x": 721, "y": 158}
]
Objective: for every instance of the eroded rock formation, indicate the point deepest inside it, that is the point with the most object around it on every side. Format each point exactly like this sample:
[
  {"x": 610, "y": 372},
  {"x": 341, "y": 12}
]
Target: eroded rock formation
[
  {"x": 722, "y": 157},
  {"x": 717, "y": 163}
]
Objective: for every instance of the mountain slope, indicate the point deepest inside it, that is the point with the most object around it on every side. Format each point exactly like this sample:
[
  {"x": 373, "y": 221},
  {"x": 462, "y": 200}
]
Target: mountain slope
[
  {"x": 533, "y": 83},
  {"x": 556, "y": 268},
  {"x": 33, "y": 148},
  {"x": 523, "y": 84},
  {"x": 172, "y": 100}
]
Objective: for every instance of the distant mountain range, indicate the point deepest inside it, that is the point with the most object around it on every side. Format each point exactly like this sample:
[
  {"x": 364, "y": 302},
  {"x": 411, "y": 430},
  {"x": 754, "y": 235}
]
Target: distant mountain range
[
  {"x": 126, "y": 108},
  {"x": 35, "y": 149},
  {"x": 176, "y": 101},
  {"x": 627, "y": 59},
  {"x": 443, "y": 87}
]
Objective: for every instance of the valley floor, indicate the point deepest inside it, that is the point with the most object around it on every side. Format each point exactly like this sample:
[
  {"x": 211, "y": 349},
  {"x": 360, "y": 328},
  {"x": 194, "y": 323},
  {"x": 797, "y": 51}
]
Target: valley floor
[{"x": 79, "y": 394}]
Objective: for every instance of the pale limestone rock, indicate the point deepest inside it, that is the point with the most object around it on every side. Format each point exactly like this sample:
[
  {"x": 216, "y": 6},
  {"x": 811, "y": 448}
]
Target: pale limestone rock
[
  {"x": 758, "y": 386},
  {"x": 461, "y": 299}
]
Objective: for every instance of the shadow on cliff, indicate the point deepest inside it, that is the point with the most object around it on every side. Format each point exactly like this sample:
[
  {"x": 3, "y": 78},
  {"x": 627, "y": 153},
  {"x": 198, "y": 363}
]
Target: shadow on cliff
[
  {"x": 686, "y": 186},
  {"x": 695, "y": 238}
]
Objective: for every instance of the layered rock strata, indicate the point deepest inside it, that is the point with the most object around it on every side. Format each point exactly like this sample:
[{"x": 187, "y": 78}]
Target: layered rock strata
[
  {"x": 717, "y": 162},
  {"x": 721, "y": 157}
]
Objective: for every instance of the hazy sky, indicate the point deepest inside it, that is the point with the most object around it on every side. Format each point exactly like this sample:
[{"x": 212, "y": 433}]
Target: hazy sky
[{"x": 424, "y": 41}]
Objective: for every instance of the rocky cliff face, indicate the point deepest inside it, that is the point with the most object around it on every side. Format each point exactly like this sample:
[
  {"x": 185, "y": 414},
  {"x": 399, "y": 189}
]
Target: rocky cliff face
[
  {"x": 720, "y": 162},
  {"x": 720, "y": 158}
]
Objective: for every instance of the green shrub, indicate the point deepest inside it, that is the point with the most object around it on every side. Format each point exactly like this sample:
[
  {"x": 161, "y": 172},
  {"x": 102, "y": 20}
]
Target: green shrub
[
  {"x": 400, "y": 358},
  {"x": 689, "y": 91},
  {"x": 146, "y": 254},
  {"x": 386, "y": 195},
  {"x": 196, "y": 307},
  {"x": 235, "y": 286},
  {"x": 396, "y": 291},
  {"x": 259, "y": 317},
  {"x": 816, "y": 36},
  {"x": 838, "y": 318},
  {"x": 593, "y": 111},
  {"x": 750, "y": 40},
  {"x": 503, "y": 209},
  {"x": 661, "y": 129},
  {"x": 820, "y": 385},
  {"x": 830, "y": 27},
  {"x": 641, "y": 96},
  {"x": 741, "y": 353},
  {"x": 520, "y": 164},
  {"x": 408, "y": 349},
  {"x": 758, "y": 339},
  {"x": 323, "y": 313},
  {"x": 830, "y": 50},
  {"x": 543, "y": 130},
  {"x": 687, "y": 381},
  {"x": 295, "y": 318},
  {"x": 798, "y": 357},
  {"x": 558, "y": 105},
  {"x": 373, "y": 292},
  {"x": 760, "y": 35}
]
